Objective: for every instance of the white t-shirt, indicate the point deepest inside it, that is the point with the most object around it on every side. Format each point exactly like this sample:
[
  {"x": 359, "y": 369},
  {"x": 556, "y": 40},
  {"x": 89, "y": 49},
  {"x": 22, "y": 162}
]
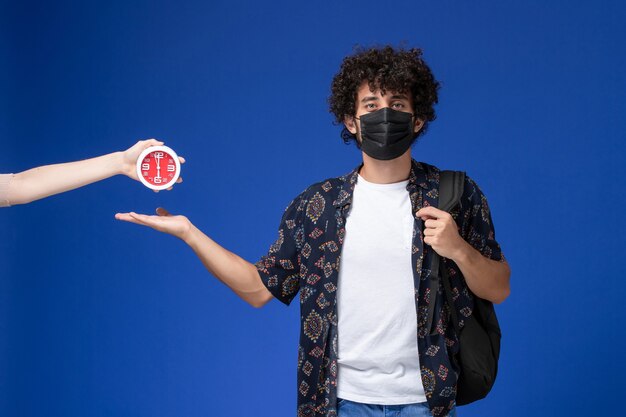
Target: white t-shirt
[{"x": 378, "y": 360}]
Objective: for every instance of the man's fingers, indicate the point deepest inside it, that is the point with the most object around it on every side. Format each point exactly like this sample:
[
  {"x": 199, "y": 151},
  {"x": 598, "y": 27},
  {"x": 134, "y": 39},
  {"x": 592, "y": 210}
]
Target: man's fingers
[
  {"x": 128, "y": 218},
  {"x": 181, "y": 159},
  {"x": 141, "y": 217},
  {"x": 151, "y": 221},
  {"x": 430, "y": 212},
  {"x": 432, "y": 223}
]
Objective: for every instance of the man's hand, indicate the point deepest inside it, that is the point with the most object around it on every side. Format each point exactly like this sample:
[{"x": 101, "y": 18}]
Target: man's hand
[
  {"x": 129, "y": 158},
  {"x": 238, "y": 274},
  {"x": 178, "y": 226},
  {"x": 441, "y": 232},
  {"x": 485, "y": 277}
]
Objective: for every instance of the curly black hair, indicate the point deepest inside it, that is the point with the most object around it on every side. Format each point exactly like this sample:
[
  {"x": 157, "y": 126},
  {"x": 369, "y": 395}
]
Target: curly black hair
[{"x": 388, "y": 69}]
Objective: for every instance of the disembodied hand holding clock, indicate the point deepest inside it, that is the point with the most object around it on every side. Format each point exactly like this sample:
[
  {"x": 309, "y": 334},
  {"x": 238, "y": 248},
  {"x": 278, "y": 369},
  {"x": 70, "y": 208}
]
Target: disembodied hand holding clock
[{"x": 44, "y": 181}]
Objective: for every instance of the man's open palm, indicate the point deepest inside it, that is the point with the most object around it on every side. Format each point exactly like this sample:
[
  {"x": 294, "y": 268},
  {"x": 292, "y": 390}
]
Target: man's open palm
[{"x": 177, "y": 226}]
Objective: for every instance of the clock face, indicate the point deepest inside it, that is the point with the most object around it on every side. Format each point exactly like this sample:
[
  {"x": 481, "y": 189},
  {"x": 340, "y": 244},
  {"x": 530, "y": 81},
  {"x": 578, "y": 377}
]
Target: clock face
[{"x": 158, "y": 167}]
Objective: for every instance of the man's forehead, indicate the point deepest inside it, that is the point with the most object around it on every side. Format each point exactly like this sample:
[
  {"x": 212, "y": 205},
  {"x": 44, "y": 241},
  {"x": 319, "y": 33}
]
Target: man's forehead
[{"x": 372, "y": 90}]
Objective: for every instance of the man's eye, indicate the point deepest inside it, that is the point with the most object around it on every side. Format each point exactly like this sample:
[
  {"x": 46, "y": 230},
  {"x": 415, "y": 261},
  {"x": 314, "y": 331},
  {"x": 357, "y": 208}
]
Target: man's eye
[
  {"x": 397, "y": 105},
  {"x": 370, "y": 106}
]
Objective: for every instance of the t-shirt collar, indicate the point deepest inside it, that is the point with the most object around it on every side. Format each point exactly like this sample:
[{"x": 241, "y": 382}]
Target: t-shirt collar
[{"x": 417, "y": 177}]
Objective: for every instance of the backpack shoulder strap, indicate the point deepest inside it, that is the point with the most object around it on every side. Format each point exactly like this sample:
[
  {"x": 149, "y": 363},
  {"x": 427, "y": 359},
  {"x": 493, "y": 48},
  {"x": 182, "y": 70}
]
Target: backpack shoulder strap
[{"x": 450, "y": 191}]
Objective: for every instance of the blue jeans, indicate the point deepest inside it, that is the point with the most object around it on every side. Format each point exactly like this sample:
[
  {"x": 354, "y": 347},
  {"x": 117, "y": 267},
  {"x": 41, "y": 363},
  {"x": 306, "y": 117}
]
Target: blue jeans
[{"x": 347, "y": 408}]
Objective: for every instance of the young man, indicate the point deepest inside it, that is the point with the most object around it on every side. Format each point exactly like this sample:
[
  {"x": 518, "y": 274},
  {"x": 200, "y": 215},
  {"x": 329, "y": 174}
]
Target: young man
[{"x": 357, "y": 247}]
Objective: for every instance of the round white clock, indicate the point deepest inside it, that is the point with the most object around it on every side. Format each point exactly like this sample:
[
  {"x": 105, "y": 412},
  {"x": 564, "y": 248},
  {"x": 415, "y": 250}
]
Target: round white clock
[{"x": 158, "y": 167}]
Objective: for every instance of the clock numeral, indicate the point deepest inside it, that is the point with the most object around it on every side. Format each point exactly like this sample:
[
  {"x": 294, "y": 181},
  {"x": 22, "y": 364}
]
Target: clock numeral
[
  {"x": 158, "y": 155},
  {"x": 157, "y": 180},
  {"x": 171, "y": 168},
  {"x": 145, "y": 167}
]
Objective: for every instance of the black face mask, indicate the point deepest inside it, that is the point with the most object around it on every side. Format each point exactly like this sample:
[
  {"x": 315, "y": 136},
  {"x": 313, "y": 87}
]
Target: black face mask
[{"x": 386, "y": 133}]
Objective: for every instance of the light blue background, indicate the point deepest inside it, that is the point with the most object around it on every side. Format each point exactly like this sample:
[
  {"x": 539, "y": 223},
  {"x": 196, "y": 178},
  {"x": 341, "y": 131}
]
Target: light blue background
[{"x": 104, "y": 318}]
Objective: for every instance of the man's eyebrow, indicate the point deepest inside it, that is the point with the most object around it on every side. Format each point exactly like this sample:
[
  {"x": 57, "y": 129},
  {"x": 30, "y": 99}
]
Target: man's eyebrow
[
  {"x": 369, "y": 98},
  {"x": 399, "y": 97}
]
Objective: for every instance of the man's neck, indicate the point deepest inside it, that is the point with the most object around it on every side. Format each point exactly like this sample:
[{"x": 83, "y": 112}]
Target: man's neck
[{"x": 386, "y": 172}]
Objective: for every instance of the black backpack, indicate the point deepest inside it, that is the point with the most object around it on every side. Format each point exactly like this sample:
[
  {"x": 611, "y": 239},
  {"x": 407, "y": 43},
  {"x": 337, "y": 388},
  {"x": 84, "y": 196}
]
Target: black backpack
[{"x": 479, "y": 339}]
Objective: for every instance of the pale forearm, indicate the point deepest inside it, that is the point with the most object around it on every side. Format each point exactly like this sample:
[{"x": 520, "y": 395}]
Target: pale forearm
[
  {"x": 238, "y": 274},
  {"x": 486, "y": 278},
  {"x": 48, "y": 180}
]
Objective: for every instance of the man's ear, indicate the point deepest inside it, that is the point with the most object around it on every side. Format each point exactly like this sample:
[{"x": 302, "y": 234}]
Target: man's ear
[
  {"x": 419, "y": 123},
  {"x": 350, "y": 124}
]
